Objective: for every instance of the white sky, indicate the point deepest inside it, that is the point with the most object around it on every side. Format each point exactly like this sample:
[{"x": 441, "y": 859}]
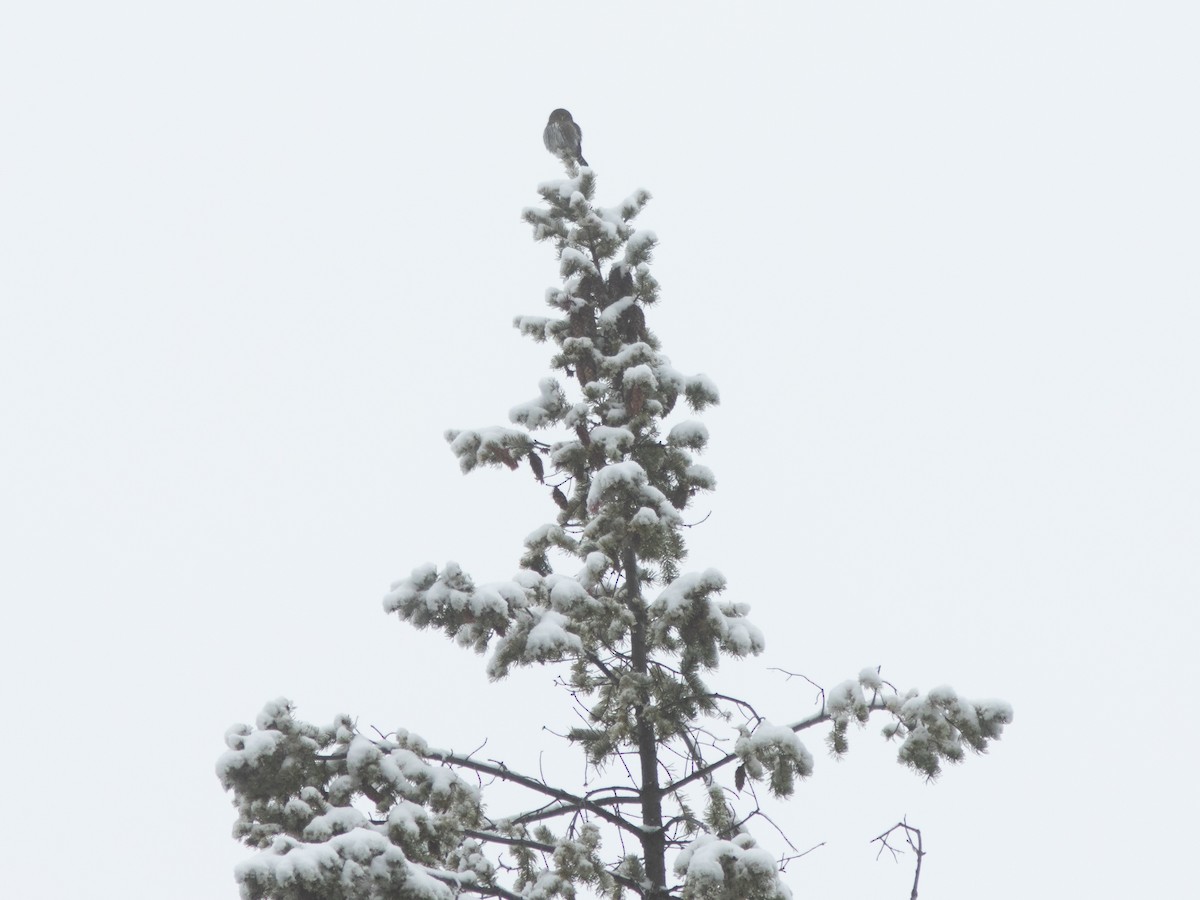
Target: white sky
[{"x": 940, "y": 259}]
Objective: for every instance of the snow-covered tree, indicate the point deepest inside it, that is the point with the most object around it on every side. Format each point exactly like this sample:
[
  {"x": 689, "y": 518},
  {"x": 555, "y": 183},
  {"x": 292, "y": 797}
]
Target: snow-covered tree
[{"x": 600, "y": 594}]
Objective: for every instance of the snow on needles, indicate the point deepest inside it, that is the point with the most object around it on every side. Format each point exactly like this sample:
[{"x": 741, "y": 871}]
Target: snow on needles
[
  {"x": 935, "y": 727},
  {"x": 549, "y": 406},
  {"x": 777, "y": 751},
  {"x": 729, "y": 870},
  {"x": 451, "y": 589},
  {"x": 628, "y": 480},
  {"x": 688, "y": 604},
  {"x": 550, "y": 637},
  {"x": 690, "y": 433},
  {"x": 361, "y": 863},
  {"x": 487, "y": 446}
]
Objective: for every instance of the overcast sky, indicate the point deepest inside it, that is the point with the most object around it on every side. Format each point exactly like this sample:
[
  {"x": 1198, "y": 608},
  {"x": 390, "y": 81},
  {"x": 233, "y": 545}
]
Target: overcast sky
[{"x": 940, "y": 259}]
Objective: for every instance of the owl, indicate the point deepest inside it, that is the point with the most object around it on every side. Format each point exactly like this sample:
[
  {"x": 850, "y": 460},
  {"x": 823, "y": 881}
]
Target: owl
[{"x": 562, "y": 137}]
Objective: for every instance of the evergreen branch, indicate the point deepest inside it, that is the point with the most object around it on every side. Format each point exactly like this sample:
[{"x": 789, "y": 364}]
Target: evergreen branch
[
  {"x": 615, "y": 653},
  {"x": 551, "y": 810},
  {"x": 604, "y": 670},
  {"x": 814, "y": 719},
  {"x": 570, "y": 801},
  {"x": 461, "y": 884},
  {"x": 591, "y": 245},
  {"x": 636, "y": 886},
  {"x": 704, "y": 772},
  {"x": 492, "y": 838},
  {"x": 542, "y": 847}
]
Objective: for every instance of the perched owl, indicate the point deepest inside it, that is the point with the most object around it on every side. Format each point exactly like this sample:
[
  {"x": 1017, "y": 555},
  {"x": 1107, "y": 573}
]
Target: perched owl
[{"x": 562, "y": 137}]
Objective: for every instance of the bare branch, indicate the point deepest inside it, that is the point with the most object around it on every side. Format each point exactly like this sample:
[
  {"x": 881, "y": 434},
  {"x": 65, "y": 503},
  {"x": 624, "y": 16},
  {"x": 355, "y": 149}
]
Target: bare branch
[
  {"x": 791, "y": 675},
  {"x": 614, "y": 788},
  {"x": 917, "y": 847},
  {"x": 784, "y": 860},
  {"x": 740, "y": 703}
]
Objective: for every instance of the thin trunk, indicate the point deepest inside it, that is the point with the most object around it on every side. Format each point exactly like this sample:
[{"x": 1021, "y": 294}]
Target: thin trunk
[{"x": 654, "y": 847}]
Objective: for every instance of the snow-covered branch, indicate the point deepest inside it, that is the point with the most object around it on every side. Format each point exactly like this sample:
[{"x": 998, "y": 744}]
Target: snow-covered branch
[{"x": 934, "y": 726}]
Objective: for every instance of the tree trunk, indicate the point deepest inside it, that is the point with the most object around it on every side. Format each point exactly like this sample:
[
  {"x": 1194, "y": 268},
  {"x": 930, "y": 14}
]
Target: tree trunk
[{"x": 654, "y": 848}]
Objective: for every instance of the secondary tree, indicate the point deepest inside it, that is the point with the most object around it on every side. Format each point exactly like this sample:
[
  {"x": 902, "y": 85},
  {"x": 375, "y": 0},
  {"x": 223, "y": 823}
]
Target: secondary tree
[{"x": 601, "y": 597}]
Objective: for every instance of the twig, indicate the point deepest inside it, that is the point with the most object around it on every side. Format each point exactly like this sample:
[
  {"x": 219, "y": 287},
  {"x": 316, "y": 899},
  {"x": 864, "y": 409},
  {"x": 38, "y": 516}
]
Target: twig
[
  {"x": 917, "y": 847},
  {"x": 784, "y": 860},
  {"x": 791, "y": 675}
]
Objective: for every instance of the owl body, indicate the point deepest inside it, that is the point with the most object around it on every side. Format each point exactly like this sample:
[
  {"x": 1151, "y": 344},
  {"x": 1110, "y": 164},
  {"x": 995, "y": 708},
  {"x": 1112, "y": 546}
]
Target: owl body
[{"x": 563, "y": 137}]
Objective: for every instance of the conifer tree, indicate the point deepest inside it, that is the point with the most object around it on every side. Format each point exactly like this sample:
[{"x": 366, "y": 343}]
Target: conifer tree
[{"x": 600, "y": 595}]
